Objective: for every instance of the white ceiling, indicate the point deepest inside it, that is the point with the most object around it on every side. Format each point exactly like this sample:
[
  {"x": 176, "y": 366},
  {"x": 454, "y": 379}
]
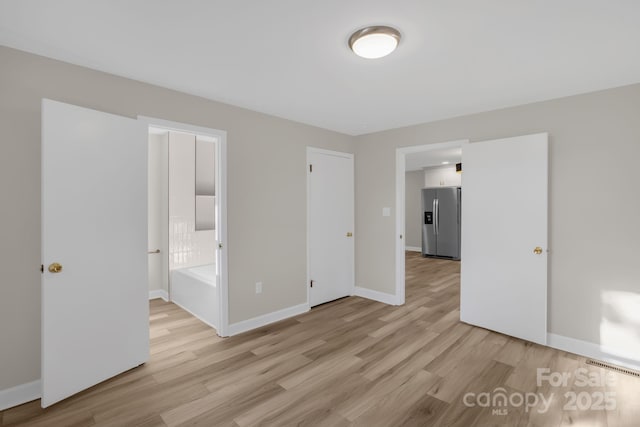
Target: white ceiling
[
  {"x": 426, "y": 159},
  {"x": 290, "y": 58}
]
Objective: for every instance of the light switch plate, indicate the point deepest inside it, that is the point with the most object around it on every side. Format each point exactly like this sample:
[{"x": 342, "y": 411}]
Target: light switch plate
[{"x": 386, "y": 211}]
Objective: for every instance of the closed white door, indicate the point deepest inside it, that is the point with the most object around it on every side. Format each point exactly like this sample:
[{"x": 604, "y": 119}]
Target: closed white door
[
  {"x": 330, "y": 227},
  {"x": 504, "y": 236},
  {"x": 95, "y": 309}
]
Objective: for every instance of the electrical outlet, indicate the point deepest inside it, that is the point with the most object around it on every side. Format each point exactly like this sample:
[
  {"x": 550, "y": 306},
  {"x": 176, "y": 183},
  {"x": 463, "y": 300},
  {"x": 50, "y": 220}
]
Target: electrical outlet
[{"x": 258, "y": 287}]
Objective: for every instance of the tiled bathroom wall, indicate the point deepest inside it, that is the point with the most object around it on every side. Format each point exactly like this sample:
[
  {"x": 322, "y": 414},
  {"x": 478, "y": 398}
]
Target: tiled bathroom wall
[{"x": 187, "y": 247}]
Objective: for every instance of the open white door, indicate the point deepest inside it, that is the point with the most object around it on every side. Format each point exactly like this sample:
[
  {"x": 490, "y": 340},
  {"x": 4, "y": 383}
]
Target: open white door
[
  {"x": 504, "y": 236},
  {"x": 330, "y": 227},
  {"x": 95, "y": 310}
]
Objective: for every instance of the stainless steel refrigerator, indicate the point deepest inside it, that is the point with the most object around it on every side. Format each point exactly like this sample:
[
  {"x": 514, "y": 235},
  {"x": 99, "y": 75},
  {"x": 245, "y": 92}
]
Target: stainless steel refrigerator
[{"x": 441, "y": 222}]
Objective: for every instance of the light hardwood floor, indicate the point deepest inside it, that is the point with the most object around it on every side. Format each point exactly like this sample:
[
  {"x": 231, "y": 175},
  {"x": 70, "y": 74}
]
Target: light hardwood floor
[{"x": 350, "y": 362}]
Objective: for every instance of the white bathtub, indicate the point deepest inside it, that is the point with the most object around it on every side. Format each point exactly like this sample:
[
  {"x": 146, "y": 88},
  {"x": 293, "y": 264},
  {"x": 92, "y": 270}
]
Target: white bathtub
[{"x": 194, "y": 289}]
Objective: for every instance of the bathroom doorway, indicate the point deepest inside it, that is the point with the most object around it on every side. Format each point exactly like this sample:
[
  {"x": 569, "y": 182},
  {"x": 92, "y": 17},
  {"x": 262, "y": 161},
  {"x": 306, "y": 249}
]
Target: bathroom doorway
[{"x": 187, "y": 221}]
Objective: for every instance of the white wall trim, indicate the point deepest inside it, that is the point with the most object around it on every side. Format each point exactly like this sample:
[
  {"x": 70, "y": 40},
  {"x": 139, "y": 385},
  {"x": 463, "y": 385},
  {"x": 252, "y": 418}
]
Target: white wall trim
[
  {"x": 382, "y": 297},
  {"x": 593, "y": 351},
  {"x": 401, "y": 154},
  {"x": 329, "y": 152},
  {"x": 265, "y": 319},
  {"x": 413, "y": 248},
  {"x": 159, "y": 294},
  {"x": 20, "y": 394},
  {"x": 181, "y": 127}
]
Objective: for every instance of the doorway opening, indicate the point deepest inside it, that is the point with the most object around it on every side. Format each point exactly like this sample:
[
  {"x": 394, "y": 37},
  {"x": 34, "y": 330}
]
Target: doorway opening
[
  {"x": 420, "y": 172},
  {"x": 187, "y": 221},
  {"x": 504, "y": 215}
]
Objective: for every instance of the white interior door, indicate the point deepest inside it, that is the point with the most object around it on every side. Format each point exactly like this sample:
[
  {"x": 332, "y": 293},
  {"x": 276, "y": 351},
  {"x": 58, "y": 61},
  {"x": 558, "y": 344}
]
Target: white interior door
[
  {"x": 504, "y": 236},
  {"x": 95, "y": 311},
  {"x": 331, "y": 220}
]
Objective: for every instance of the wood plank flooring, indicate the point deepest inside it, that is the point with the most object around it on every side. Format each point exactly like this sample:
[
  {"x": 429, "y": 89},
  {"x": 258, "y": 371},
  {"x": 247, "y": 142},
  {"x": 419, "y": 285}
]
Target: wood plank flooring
[{"x": 353, "y": 362}]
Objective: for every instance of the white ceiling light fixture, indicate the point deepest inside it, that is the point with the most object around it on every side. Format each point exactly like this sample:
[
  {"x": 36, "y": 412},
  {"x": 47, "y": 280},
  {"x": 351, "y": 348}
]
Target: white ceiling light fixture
[{"x": 374, "y": 42}]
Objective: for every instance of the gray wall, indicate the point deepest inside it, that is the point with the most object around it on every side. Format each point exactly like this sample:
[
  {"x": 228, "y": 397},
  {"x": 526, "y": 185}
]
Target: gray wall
[
  {"x": 594, "y": 198},
  {"x": 266, "y": 192},
  {"x": 414, "y": 183}
]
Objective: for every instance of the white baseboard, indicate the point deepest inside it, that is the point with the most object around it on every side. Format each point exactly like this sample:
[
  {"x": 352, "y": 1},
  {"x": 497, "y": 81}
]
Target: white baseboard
[
  {"x": 19, "y": 394},
  {"x": 376, "y": 295},
  {"x": 158, "y": 293},
  {"x": 413, "y": 249},
  {"x": 265, "y": 319},
  {"x": 592, "y": 351}
]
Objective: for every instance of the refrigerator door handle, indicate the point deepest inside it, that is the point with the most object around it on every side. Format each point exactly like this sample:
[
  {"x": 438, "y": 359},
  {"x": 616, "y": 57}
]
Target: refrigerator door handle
[
  {"x": 435, "y": 221},
  {"x": 436, "y": 215}
]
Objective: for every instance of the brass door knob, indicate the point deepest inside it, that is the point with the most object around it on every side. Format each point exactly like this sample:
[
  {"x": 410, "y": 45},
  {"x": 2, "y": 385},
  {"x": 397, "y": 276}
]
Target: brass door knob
[
  {"x": 349, "y": 234},
  {"x": 537, "y": 250},
  {"x": 55, "y": 268}
]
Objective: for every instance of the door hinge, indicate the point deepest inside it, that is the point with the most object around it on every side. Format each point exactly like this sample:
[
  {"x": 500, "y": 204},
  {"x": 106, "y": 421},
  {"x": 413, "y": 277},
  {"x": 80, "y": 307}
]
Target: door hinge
[
  {"x": 311, "y": 283},
  {"x": 41, "y": 268},
  {"x": 310, "y": 168}
]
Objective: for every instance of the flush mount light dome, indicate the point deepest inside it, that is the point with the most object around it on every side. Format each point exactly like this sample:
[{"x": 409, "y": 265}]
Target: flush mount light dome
[{"x": 374, "y": 42}]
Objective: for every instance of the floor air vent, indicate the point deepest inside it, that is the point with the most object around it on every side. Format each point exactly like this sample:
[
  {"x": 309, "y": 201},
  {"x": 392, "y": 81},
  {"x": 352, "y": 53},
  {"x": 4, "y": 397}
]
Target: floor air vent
[{"x": 613, "y": 368}]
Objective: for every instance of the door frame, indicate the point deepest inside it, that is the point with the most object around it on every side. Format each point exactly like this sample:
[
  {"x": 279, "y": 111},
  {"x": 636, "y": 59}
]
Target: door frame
[
  {"x": 350, "y": 156},
  {"x": 401, "y": 155},
  {"x": 221, "y": 185}
]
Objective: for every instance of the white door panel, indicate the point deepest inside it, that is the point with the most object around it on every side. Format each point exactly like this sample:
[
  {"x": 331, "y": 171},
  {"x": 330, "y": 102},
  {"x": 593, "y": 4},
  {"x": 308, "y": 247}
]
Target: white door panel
[
  {"x": 94, "y": 223},
  {"x": 331, "y": 219},
  {"x": 504, "y": 218}
]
